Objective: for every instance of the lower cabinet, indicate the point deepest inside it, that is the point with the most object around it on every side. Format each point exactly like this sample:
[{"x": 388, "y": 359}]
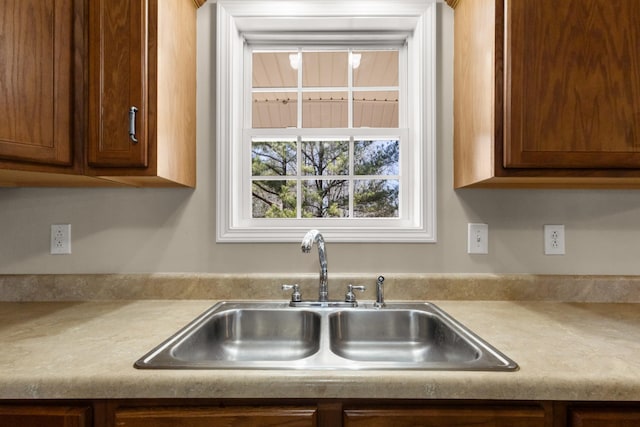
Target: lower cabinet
[
  {"x": 446, "y": 417},
  {"x": 604, "y": 417},
  {"x": 44, "y": 416},
  {"x": 316, "y": 413},
  {"x": 209, "y": 417}
]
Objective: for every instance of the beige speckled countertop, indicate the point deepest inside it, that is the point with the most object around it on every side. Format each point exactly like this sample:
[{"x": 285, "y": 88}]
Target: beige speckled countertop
[{"x": 566, "y": 351}]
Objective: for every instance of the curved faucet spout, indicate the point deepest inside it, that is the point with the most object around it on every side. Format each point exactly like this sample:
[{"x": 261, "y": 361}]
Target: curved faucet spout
[{"x": 307, "y": 243}]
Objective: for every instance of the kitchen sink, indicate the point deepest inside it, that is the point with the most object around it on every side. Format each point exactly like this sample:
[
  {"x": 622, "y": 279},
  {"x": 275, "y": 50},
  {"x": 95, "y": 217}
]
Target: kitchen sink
[{"x": 272, "y": 335}]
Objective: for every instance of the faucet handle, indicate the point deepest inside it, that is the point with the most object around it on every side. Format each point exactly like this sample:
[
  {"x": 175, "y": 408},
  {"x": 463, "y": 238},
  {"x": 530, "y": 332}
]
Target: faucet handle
[
  {"x": 295, "y": 295},
  {"x": 350, "y": 296}
]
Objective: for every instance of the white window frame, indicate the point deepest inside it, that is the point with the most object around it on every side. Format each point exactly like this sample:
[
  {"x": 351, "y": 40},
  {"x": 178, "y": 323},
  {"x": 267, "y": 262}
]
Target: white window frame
[{"x": 381, "y": 20}]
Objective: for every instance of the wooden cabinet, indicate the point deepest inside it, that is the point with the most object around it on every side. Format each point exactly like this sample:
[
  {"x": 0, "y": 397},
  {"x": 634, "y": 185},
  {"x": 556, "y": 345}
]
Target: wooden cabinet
[
  {"x": 445, "y": 417},
  {"x": 37, "y": 89},
  {"x": 142, "y": 91},
  {"x": 339, "y": 413},
  {"x": 118, "y": 73},
  {"x": 73, "y": 74},
  {"x": 604, "y": 417},
  {"x": 317, "y": 412},
  {"x": 41, "y": 91},
  {"x": 547, "y": 94},
  {"x": 44, "y": 416},
  {"x": 206, "y": 417}
]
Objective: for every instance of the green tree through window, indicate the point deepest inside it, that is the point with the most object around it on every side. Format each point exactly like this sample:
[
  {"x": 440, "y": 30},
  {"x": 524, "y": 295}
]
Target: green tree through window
[{"x": 333, "y": 183}]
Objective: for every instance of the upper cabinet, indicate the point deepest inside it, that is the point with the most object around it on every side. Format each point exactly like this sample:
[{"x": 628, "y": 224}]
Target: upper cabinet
[
  {"x": 118, "y": 71},
  {"x": 37, "y": 96},
  {"x": 142, "y": 91},
  {"x": 98, "y": 92},
  {"x": 41, "y": 91},
  {"x": 547, "y": 94}
]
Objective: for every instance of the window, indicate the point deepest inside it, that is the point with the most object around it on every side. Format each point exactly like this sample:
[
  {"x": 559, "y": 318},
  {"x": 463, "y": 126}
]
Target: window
[{"x": 325, "y": 121}]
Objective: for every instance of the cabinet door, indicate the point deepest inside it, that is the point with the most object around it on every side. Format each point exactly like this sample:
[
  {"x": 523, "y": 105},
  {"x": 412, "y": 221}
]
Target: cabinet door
[
  {"x": 44, "y": 416},
  {"x": 572, "y": 87},
  {"x": 602, "y": 417},
  {"x": 117, "y": 83},
  {"x": 444, "y": 417},
  {"x": 211, "y": 417},
  {"x": 36, "y": 78}
]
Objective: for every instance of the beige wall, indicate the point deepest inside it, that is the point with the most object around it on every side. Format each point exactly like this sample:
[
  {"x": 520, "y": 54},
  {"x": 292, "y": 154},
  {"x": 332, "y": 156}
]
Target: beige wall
[{"x": 172, "y": 230}]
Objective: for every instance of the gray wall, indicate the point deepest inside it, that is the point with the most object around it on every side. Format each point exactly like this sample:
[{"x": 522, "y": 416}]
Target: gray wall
[{"x": 173, "y": 230}]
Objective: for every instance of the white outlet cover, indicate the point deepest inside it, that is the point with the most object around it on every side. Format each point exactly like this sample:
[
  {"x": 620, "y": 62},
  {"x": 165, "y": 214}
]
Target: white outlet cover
[
  {"x": 477, "y": 238},
  {"x": 554, "y": 240},
  {"x": 60, "y": 239}
]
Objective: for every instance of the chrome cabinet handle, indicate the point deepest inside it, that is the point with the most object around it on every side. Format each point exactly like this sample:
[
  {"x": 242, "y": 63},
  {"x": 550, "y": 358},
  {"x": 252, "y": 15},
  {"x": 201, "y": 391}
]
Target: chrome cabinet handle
[{"x": 132, "y": 124}]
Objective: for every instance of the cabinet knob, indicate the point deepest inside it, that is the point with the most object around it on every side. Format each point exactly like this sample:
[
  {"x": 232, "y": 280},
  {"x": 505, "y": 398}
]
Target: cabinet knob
[{"x": 132, "y": 124}]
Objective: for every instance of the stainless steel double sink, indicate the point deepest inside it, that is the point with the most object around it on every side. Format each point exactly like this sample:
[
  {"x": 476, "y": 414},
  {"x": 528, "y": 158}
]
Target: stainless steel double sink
[{"x": 272, "y": 335}]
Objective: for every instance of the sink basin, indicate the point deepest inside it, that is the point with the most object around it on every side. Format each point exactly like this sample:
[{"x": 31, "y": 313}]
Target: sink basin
[
  {"x": 407, "y": 336},
  {"x": 423, "y": 337},
  {"x": 272, "y": 335},
  {"x": 246, "y": 334}
]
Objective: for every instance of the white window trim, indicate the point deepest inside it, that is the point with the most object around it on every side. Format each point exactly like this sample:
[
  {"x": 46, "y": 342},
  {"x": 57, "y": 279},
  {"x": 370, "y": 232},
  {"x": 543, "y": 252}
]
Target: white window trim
[{"x": 412, "y": 17}]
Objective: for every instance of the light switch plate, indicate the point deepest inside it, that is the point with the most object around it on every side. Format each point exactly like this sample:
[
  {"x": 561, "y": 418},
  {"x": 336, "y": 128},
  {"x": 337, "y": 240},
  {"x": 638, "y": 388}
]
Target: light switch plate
[{"x": 477, "y": 238}]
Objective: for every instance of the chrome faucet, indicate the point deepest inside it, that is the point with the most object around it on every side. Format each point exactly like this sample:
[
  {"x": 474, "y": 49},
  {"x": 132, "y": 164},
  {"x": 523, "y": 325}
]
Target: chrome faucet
[{"x": 307, "y": 243}]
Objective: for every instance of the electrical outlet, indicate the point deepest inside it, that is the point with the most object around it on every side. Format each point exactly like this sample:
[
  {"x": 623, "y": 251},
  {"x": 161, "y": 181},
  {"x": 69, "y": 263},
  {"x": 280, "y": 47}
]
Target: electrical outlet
[
  {"x": 60, "y": 239},
  {"x": 554, "y": 239},
  {"x": 477, "y": 238}
]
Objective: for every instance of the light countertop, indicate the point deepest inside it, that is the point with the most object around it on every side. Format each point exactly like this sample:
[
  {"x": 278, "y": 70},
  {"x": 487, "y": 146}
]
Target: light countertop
[{"x": 566, "y": 351}]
